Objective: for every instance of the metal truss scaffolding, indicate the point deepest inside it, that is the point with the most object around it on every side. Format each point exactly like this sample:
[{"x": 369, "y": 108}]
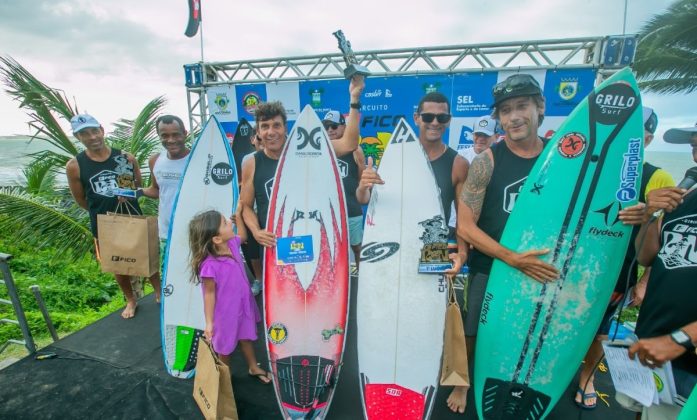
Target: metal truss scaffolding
[{"x": 606, "y": 54}]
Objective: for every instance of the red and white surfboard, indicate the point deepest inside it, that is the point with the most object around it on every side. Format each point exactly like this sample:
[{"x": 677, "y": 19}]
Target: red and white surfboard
[{"x": 306, "y": 277}]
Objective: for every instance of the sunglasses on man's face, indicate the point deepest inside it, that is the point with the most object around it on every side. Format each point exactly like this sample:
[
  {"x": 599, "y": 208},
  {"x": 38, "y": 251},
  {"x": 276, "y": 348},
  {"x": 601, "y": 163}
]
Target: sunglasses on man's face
[
  {"x": 428, "y": 117},
  {"x": 333, "y": 126}
]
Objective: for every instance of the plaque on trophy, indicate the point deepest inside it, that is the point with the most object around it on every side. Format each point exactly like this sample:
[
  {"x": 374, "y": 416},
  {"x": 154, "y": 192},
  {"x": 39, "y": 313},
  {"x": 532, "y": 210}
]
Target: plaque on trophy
[{"x": 352, "y": 66}]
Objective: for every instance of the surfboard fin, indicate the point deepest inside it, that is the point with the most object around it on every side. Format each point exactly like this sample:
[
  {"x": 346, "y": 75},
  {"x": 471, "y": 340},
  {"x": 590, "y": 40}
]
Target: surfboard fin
[{"x": 509, "y": 400}]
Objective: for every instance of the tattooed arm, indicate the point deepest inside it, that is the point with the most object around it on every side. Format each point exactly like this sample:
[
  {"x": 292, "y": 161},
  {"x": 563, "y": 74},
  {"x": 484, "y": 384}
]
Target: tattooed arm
[{"x": 470, "y": 208}]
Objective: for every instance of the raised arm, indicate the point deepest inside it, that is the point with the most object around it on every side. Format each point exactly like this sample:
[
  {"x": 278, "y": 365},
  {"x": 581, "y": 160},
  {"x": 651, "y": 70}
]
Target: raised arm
[{"x": 349, "y": 141}]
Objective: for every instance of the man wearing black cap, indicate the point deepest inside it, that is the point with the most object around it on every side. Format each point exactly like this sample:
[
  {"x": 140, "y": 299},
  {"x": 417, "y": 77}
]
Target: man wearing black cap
[
  {"x": 652, "y": 178},
  {"x": 492, "y": 185},
  {"x": 667, "y": 324},
  {"x": 351, "y": 167}
]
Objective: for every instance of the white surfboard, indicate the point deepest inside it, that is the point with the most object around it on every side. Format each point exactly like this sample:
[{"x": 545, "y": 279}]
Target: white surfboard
[
  {"x": 209, "y": 182},
  {"x": 400, "y": 313}
]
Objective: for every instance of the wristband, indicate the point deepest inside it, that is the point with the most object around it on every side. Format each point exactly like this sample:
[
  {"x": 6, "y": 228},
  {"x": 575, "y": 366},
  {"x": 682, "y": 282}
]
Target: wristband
[{"x": 355, "y": 105}]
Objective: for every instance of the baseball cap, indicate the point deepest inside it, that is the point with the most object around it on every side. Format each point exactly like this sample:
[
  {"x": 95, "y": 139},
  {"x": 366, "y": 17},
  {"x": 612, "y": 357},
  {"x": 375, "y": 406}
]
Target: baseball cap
[
  {"x": 335, "y": 117},
  {"x": 520, "y": 84},
  {"x": 81, "y": 121},
  {"x": 485, "y": 125},
  {"x": 680, "y": 135},
  {"x": 650, "y": 119}
]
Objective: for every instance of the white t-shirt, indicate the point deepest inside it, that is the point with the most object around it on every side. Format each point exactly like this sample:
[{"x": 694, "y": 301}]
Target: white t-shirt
[{"x": 168, "y": 173}]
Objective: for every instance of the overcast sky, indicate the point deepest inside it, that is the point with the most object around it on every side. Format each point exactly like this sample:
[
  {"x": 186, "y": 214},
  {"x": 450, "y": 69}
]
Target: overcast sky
[{"x": 112, "y": 57}]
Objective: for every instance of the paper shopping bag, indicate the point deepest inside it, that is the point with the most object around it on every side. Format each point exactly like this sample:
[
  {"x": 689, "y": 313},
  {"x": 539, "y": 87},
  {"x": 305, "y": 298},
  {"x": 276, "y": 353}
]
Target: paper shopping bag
[
  {"x": 454, "y": 371},
  {"x": 213, "y": 385},
  {"x": 128, "y": 244}
]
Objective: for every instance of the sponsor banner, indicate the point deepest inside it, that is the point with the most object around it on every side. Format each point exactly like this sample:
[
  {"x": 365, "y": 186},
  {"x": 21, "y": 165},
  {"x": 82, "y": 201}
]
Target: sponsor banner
[
  {"x": 230, "y": 128},
  {"x": 471, "y": 95},
  {"x": 288, "y": 94},
  {"x": 221, "y": 103},
  {"x": 461, "y": 133},
  {"x": 549, "y": 126},
  {"x": 564, "y": 89},
  {"x": 248, "y": 97},
  {"x": 325, "y": 95}
]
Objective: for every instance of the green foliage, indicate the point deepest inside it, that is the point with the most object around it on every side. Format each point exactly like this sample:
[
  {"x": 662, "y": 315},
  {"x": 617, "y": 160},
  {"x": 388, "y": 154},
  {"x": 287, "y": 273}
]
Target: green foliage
[
  {"x": 76, "y": 293},
  {"x": 666, "y": 60}
]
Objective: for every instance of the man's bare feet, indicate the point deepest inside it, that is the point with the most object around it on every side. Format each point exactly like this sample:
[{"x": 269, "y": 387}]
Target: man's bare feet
[
  {"x": 457, "y": 401},
  {"x": 130, "y": 310}
]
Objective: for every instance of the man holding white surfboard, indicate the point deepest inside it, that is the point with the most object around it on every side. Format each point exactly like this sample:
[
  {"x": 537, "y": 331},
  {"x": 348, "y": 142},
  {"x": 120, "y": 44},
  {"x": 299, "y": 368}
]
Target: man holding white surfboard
[
  {"x": 258, "y": 173},
  {"x": 432, "y": 118}
]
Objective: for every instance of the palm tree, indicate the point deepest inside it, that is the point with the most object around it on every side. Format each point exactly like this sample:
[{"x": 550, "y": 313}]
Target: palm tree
[
  {"x": 666, "y": 60},
  {"x": 40, "y": 211}
]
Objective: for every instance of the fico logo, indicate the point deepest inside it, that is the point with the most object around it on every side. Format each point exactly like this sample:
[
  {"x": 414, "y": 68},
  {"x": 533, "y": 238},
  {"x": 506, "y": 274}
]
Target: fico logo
[{"x": 119, "y": 258}]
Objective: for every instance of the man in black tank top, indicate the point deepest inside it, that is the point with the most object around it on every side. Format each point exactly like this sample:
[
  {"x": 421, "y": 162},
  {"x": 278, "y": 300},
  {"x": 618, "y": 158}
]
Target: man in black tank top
[
  {"x": 667, "y": 324},
  {"x": 432, "y": 118},
  {"x": 351, "y": 167},
  {"x": 92, "y": 177},
  {"x": 492, "y": 186},
  {"x": 258, "y": 173}
]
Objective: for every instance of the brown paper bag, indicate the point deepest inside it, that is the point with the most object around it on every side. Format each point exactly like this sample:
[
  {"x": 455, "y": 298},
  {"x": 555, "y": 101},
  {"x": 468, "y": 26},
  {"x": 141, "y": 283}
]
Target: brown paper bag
[
  {"x": 128, "y": 244},
  {"x": 213, "y": 385},
  {"x": 454, "y": 371}
]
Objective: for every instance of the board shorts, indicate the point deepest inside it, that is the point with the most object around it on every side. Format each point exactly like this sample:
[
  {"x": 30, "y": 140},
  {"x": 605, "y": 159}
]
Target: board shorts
[
  {"x": 355, "y": 225},
  {"x": 475, "y": 298},
  {"x": 251, "y": 248}
]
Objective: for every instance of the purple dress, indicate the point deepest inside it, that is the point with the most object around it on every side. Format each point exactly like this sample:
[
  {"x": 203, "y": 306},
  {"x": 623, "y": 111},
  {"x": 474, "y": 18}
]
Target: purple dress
[{"x": 235, "y": 314}]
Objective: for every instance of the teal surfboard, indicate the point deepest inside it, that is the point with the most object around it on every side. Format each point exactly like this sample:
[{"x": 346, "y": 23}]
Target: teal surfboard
[
  {"x": 532, "y": 337},
  {"x": 689, "y": 411}
]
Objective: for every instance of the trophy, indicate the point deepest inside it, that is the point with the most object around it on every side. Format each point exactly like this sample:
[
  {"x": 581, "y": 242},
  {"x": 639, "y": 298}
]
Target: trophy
[{"x": 352, "y": 66}]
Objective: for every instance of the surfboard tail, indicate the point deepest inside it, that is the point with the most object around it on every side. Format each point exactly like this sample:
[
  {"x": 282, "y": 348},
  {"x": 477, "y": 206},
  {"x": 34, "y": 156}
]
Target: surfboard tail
[
  {"x": 305, "y": 384},
  {"x": 506, "y": 400}
]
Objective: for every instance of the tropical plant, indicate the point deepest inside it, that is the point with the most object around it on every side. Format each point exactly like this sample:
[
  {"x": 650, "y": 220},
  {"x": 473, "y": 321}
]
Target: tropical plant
[
  {"x": 666, "y": 60},
  {"x": 45, "y": 213}
]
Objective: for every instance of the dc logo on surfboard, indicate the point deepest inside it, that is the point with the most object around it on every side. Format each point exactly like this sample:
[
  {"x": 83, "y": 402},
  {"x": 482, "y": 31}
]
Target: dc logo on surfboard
[
  {"x": 313, "y": 138},
  {"x": 614, "y": 102}
]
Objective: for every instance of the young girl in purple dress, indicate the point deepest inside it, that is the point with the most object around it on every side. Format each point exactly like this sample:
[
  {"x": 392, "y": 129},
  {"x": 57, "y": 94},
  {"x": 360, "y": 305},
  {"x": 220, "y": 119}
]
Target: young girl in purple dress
[{"x": 230, "y": 310}]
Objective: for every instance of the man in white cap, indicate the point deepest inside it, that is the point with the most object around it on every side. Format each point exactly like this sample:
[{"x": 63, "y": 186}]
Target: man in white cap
[
  {"x": 667, "y": 324},
  {"x": 351, "y": 166},
  {"x": 94, "y": 177},
  {"x": 652, "y": 178}
]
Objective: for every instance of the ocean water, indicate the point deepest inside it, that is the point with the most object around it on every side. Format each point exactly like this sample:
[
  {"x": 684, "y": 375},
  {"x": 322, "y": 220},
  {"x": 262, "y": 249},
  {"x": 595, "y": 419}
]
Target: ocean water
[{"x": 15, "y": 151}]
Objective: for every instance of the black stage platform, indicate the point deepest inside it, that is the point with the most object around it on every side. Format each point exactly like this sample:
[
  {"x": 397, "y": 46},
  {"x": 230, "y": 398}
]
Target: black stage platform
[{"x": 114, "y": 369}]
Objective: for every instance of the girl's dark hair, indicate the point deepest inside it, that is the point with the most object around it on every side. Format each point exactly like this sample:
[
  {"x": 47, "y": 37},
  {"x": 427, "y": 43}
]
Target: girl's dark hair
[{"x": 202, "y": 228}]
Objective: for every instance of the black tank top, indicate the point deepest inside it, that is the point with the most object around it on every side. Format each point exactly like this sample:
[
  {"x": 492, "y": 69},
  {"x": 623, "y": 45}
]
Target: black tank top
[
  {"x": 671, "y": 292},
  {"x": 443, "y": 171},
  {"x": 507, "y": 179},
  {"x": 99, "y": 179},
  {"x": 349, "y": 176},
  {"x": 264, "y": 173}
]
